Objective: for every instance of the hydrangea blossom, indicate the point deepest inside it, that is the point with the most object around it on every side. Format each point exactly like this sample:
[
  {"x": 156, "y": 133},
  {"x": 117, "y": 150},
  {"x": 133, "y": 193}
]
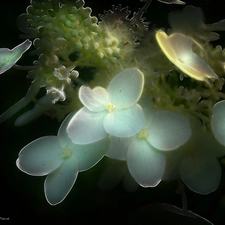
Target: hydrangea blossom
[
  {"x": 109, "y": 111},
  {"x": 196, "y": 162},
  {"x": 59, "y": 159},
  {"x": 144, "y": 153},
  {"x": 8, "y": 57}
]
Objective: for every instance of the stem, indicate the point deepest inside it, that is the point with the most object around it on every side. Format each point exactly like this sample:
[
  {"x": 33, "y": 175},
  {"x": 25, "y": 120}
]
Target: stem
[
  {"x": 23, "y": 67},
  {"x": 181, "y": 189}
]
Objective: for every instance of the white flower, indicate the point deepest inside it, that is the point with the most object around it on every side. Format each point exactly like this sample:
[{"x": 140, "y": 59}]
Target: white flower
[
  {"x": 9, "y": 57},
  {"x": 196, "y": 162},
  {"x": 109, "y": 111},
  {"x": 61, "y": 160},
  {"x": 144, "y": 153},
  {"x": 178, "y": 49}
]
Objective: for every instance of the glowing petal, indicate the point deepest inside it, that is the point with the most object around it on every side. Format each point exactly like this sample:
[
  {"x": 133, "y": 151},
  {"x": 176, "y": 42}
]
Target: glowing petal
[
  {"x": 86, "y": 127},
  {"x": 145, "y": 164},
  {"x": 59, "y": 183},
  {"x": 9, "y": 57},
  {"x": 40, "y": 157},
  {"x": 126, "y": 87},
  {"x": 202, "y": 175},
  {"x": 168, "y": 130},
  {"x": 89, "y": 155},
  {"x": 125, "y": 122},
  {"x": 95, "y": 100},
  {"x": 118, "y": 148},
  {"x": 178, "y": 49},
  {"x": 218, "y": 122}
]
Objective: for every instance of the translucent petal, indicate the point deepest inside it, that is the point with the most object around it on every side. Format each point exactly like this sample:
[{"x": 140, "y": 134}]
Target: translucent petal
[
  {"x": 112, "y": 175},
  {"x": 145, "y": 164},
  {"x": 125, "y": 122},
  {"x": 126, "y": 87},
  {"x": 168, "y": 130},
  {"x": 118, "y": 148},
  {"x": 40, "y": 157},
  {"x": 95, "y": 100},
  {"x": 63, "y": 137},
  {"x": 9, "y": 57},
  {"x": 59, "y": 183},
  {"x": 218, "y": 121},
  {"x": 178, "y": 49},
  {"x": 201, "y": 174},
  {"x": 86, "y": 127},
  {"x": 89, "y": 155}
]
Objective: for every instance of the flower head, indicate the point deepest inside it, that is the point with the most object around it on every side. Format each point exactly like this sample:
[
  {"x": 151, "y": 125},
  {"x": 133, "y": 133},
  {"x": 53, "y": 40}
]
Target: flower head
[
  {"x": 196, "y": 162},
  {"x": 109, "y": 111},
  {"x": 144, "y": 153},
  {"x": 61, "y": 160}
]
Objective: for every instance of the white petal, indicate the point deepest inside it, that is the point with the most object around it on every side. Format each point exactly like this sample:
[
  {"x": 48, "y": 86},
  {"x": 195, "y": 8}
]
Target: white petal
[
  {"x": 86, "y": 127},
  {"x": 125, "y": 122},
  {"x": 59, "y": 183},
  {"x": 40, "y": 157},
  {"x": 202, "y": 175},
  {"x": 89, "y": 155},
  {"x": 118, "y": 148},
  {"x": 218, "y": 122},
  {"x": 63, "y": 137},
  {"x": 145, "y": 164},
  {"x": 126, "y": 87},
  {"x": 95, "y": 100},
  {"x": 168, "y": 130}
]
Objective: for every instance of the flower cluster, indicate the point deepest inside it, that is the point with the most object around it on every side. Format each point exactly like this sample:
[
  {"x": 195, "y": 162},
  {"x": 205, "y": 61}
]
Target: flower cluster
[{"x": 153, "y": 101}]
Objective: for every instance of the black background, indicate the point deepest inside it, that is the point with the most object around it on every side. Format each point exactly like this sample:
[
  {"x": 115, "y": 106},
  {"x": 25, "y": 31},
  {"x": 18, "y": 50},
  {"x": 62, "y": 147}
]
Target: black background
[{"x": 22, "y": 196}]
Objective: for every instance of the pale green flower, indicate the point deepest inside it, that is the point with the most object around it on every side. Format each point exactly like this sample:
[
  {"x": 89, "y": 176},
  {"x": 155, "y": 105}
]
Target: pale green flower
[
  {"x": 196, "y": 162},
  {"x": 61, "y": 160},
  {"x": 9, "y": 57},
  {"x": 109, "y": 111},
  {"x": 144, "y": 153}
]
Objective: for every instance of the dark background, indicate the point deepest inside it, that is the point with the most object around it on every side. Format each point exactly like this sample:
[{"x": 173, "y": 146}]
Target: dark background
[{"x": 22, "y": 196}]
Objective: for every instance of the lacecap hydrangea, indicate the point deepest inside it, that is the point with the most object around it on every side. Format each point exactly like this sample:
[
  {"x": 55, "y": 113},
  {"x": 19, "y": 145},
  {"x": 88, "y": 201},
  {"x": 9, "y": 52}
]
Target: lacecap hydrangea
[{"x": 122, "y": 89}]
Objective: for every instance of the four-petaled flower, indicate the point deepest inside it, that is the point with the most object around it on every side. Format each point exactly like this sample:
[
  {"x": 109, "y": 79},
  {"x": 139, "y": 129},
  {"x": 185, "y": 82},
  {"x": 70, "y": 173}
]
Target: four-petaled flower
[
  {"x": 109, "y": 111},
  {"x": 61, "y": 160},
  {"x": 144, "y": 153}
]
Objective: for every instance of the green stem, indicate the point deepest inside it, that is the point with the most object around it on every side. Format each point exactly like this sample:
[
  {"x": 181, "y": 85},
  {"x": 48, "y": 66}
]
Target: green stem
[{"x": 23, "y": 67}]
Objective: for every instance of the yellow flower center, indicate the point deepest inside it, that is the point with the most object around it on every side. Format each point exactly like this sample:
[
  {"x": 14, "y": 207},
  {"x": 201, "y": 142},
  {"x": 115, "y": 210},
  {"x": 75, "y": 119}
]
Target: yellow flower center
[
  {"x": 143, "y": 134},
  {"x": 66, "y": 152},
  {"x": 110, "y": 107}
]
